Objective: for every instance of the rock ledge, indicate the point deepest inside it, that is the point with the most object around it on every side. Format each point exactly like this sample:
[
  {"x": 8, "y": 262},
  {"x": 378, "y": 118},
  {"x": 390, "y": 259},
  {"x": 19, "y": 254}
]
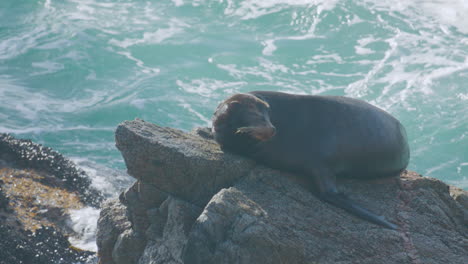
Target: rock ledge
[{"x": 193, "y": 203}]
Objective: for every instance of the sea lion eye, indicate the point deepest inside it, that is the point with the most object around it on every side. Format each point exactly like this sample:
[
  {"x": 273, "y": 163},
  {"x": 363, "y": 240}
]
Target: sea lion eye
[{"x": 234, "y": 104}]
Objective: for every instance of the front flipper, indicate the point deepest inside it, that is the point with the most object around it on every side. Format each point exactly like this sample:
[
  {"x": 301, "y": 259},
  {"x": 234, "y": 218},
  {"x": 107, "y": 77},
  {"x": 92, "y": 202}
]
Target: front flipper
[{"x": 324, "y": 182}]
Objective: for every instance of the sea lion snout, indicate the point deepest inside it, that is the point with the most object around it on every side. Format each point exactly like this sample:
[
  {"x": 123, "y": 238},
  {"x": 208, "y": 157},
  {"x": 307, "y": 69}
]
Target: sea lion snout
[{"x": 261, "y": 133}]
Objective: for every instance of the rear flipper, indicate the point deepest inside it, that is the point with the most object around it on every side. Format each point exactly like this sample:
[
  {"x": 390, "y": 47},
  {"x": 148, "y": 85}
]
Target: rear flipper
[
  {"x": 324, "y": 183},
  {"x": 340, "y": 200}
]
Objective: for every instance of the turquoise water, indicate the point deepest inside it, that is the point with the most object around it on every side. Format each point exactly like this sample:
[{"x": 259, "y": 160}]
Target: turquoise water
[{"x": 72, "y": 70}]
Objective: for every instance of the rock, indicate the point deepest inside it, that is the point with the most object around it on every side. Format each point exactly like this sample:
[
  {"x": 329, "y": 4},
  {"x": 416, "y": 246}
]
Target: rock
[
  {"x": 170, "y": 227},
  {"x": 38, "y": 188},
  {"x": 193, "y": 203},
  {"x": 128, "y": 247},
  {"x": 461, "y": 197},
  {"x": 46, "y": 245},
  {"x": 25, "y": 154},
  {"x": 113, "y": 221},
  {"x": 187, "y": 165},
  {"x": 284, "y": 224}
]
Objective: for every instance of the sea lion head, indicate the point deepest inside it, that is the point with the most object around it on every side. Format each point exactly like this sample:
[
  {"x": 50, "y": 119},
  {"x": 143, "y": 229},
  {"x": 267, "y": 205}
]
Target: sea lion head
[{"x": 242, "y": 118}]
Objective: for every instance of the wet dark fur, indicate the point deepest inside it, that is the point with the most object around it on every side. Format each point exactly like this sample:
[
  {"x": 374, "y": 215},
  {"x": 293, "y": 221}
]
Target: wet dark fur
[{"x": 320, "y": 137}]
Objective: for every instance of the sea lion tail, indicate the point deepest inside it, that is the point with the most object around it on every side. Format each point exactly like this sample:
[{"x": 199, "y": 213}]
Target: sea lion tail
[{"x": 340, "y": 200}]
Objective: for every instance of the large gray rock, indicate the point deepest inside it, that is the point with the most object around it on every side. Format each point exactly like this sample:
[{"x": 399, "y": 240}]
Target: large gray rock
[
  {"x": 178, "y": 163},
  {"x": 193, "y": 203},
  {"x": 283, "y": 223}
]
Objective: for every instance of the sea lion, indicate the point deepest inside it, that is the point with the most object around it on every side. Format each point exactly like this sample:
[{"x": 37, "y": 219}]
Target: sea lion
[{"x": 320, "y": 137}]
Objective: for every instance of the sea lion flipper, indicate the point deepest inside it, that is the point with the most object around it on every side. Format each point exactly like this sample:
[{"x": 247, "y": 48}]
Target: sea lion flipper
[
  {"x": 340, "y": 200},
  {"x": 325, "y": 184}
]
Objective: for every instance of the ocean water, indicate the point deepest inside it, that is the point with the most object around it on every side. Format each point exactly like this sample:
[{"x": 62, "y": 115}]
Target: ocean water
[{"x": 72, "y": 70}]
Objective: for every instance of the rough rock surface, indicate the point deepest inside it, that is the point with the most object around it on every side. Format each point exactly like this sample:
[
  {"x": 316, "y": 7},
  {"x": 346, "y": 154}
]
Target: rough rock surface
[
  {"x": 25, "y": 154},
  {"x": 177, "y": 157},
  {"x": 193, "y": 203},
  {"x": 38, "y": 187}
]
